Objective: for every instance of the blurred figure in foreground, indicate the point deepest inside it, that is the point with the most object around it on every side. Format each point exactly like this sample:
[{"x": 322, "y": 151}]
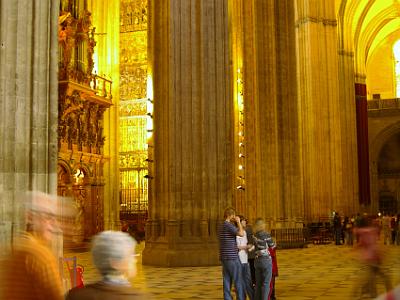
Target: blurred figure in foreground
[
  {"x": 114, "y": 256},
  {"x": 391, "y": 295},
  {"x": 31, "y": 271},
  {"x": 371, "y": 256}
]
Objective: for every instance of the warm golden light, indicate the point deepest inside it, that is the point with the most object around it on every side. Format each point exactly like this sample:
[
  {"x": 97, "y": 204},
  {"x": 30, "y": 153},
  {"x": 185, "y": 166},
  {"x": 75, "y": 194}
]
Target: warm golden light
[
  {"x": 79, "y": 175},
  {"x": 241, "y": 167},
  {"x": 149, "y": 106},
  {"x": 149, "y": 87},
  {"x": 396, "y": 52},
  {"x": 149, "y": 127}
]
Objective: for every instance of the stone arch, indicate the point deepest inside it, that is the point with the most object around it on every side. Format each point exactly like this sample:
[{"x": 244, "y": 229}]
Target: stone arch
[
  {"x": 64, "y": 178},
  {"x": 376, "y": 146}
]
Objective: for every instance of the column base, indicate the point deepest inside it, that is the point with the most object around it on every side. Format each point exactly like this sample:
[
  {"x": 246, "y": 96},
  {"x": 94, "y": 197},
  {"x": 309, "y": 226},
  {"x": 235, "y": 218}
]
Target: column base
[{"x": 188, "y": 255}]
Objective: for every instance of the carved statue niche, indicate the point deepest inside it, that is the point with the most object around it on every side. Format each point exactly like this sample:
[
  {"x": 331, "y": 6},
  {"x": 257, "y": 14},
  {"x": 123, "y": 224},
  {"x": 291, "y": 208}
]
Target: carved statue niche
[{"x": 66, "y": 40}]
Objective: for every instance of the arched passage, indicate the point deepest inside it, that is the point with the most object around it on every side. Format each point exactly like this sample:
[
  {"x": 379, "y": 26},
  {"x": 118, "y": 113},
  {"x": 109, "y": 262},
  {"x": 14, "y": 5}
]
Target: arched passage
[{"x": 384, "y": 179}]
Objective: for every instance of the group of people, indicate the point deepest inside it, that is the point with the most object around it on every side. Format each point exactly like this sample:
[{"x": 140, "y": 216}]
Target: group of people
[
  {"x": 248, "y": 258},
  {"x": 31, "y": 270},
  {"x": 344, "y": 228}
]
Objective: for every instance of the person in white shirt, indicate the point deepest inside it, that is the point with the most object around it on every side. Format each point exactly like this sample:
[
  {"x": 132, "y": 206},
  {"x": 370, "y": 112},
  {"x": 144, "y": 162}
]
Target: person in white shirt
[{"x": 244, "y": 247}]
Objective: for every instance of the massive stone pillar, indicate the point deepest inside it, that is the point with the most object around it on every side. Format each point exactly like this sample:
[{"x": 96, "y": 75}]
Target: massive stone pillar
[
  {"x": 348, "y": 131},
  {"x": 264, "y": 49},
  {"x": 348, "y": 118},
  {"x": 323, "y": 147},
  {"x": 192, "y": 143},
  {"x": 291, "y": 210},
  {"x": 28, "y": 111}
]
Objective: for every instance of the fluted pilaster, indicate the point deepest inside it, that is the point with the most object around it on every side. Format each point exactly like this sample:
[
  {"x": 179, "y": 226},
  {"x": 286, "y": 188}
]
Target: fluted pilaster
[{"x": 191, "y": 179}]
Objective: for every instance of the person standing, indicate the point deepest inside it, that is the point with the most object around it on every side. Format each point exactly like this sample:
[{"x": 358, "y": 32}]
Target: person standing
[
  {"x": 263, "y": 261},
  {"x": 244, "y": 246},
  {"x": 337, "y": 228},
  {"x": 228, "y": 251},
  {"x": 274, "y": 272},
  {"x": 251, "y": 254}
]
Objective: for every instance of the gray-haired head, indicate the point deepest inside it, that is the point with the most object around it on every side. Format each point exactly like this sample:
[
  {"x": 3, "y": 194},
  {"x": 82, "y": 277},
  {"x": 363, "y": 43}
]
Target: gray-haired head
[
  {"x": 259, "y": 225},
  {"x": 109, "y": 247}
]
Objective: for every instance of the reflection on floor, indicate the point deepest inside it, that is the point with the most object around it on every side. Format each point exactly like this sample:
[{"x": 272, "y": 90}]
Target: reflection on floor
[{"x": 317, "y": 272}]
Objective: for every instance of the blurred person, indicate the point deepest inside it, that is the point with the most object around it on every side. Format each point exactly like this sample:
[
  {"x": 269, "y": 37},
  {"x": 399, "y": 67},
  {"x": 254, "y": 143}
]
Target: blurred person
[
  {"x": 398, "y": 230},
  {"x": 371, "y": 256},
  {"x": 31, "y": 271},
  {"x": 263, "y": 242},
  {"x": 251, "y": 254},
  {"x": 386, "y": 229},
  {"x": 275, "y": 274},
  {"x": 337, "y": 228},
  {"x": 244, "y": 247},
  {"x": 348, "y": 231},
  {"x": 393, "y": 294},
  {"x": 228, "y": 250},
  {"x": 113, "y": 254},
  {"x": 393, "y": 229}
]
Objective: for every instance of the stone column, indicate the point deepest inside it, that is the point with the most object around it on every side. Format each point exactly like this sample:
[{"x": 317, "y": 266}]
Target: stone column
[
  {"x": 291, "y": 204},
  {"x": 29, "y": 103},
  {"x": 348, "y": 131},
  {"x": 322, "y": 151},
  {"x": 106, "y": 20},
  {"x": 191, "y": 181},
  {"x": 271, "y": 137}
]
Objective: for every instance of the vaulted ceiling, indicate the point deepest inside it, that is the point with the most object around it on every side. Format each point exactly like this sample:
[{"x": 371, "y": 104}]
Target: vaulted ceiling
[{"x": 364, "y": 25}]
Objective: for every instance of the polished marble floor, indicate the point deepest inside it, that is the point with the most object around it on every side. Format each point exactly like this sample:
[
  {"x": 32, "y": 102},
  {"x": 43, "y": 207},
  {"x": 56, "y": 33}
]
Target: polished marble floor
[{"x": 316, "y": 272}]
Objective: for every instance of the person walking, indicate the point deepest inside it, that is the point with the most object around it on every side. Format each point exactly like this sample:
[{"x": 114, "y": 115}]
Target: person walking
[
  {"x": 262, "y": 241},
  {"x": 228, "y": 251},
  {"x": 113, "y": 254},
  {"x": 371, "y": 256}
]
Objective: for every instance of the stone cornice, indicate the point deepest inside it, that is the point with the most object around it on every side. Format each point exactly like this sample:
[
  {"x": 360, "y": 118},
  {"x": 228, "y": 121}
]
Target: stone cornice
[{"x": 346, "y": 53}]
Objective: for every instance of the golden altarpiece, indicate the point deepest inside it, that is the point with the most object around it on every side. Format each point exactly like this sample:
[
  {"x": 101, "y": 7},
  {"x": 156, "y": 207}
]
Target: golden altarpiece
[{"x": 83, "y": 99}]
